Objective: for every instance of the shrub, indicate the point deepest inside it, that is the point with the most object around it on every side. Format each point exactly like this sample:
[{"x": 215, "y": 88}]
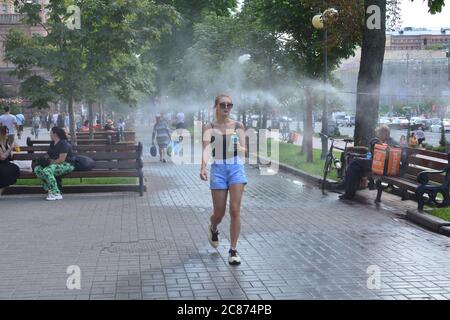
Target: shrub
[{"x": 440, "y": 149}]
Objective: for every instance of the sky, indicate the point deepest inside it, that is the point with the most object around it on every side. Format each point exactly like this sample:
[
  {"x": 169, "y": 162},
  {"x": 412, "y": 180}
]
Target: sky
[{"x": 415, "y": 14}]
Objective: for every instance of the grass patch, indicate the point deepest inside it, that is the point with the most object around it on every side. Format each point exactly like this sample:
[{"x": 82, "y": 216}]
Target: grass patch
[
  {"x": 80, "y": 181},
  {"x": 443, "y": 213},
  {"x": 290, "y": 155}
]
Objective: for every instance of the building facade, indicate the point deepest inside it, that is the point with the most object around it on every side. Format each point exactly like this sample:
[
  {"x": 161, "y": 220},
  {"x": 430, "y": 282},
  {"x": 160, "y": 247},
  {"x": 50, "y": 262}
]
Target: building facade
[
  {"x": 410, "y": 77},
  {"x": 417, "y": 39},
  {"x": 10, "y": 19}
]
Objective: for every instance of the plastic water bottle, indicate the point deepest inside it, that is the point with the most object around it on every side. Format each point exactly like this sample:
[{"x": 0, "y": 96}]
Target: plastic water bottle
[{"x": 369, "y": 155}]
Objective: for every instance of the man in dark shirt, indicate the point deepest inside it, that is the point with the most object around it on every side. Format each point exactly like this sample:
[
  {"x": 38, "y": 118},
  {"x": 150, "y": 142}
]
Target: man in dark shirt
[{"x": 359, "y": 168}]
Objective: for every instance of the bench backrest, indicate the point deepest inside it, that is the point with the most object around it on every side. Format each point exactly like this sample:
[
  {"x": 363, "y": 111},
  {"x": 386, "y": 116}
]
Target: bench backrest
[
  {"x": 424, "y": 160},
  {"x": 130, "y": 158}
]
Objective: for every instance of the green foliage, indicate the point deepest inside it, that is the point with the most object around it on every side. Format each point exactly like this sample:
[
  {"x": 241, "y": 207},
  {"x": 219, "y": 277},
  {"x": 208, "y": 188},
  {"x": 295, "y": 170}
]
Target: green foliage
[
  {"x": 427, "y": 146},
  {"x": 100, "y": 57},
  {"x": 443, "y": 140},
  {"x": 440, "y": 149},
  {"x": 434, "y": 6}
]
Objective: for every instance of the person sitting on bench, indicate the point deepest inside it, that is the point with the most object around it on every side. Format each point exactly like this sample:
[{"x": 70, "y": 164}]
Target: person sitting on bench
[{"x": 359, "y": 168}]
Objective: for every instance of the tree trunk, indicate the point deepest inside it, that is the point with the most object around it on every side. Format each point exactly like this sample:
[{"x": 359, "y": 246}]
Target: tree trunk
[
  {"x": 91, "y": 119},
  {"x": 303, "y": 148},
  {"x": 72, "y": 124},
  {"x": 100, "y": 111},
  {"x": 369, "y": 78},
  {"x": 308, "y": 126}
]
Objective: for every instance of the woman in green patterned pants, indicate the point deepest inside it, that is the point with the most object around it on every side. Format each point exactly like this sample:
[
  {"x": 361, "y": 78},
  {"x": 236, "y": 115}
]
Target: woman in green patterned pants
[{"x": 61, "y": 157}]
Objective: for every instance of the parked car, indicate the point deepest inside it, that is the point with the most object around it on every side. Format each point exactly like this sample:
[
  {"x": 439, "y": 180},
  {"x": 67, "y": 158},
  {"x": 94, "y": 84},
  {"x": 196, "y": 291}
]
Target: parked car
[
  {"x": 350, "y": 121},
  {"x": 384, "y": 120},
  {"x": 417, "y": 122},
  {"x": 436, "y": 127},
  {"x": 341, "y": 120},
  {"x": 399, "y": 123}
]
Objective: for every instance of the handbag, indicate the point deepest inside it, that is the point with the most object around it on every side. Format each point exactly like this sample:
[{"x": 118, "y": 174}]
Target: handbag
[
  {"x": 153, "y": 151},
  {"x": 43, "y": 161},
  {"x": 83, "y": 163}
]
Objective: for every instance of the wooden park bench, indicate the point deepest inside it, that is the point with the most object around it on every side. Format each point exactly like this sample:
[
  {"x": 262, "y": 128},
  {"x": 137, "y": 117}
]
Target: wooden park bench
[
  {"x": 114, "y": 161},
  {"x": 87, "y": 141},
  {"x": 127, "y": 135},
  {"x": 426, "y": 175}
]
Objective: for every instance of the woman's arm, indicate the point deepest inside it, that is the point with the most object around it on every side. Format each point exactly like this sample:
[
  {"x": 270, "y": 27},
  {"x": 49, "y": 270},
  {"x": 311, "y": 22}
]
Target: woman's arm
[
  {"x": 206, "y": 142},
  {"x": 5, "y": 154},
  {"x": 241, "y": 133},
  {"x": 62, "y": 157}
]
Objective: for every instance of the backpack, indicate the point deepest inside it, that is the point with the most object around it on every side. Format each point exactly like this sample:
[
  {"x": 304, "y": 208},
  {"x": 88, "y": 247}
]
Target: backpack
[{"x": 83, "y": 163}]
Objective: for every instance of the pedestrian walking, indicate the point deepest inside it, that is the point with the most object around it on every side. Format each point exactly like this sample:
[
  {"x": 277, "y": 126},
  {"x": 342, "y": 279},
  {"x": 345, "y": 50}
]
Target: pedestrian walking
[
  {"x": 225, "y": 139},
  {"x": 412, "y": 141},
  {"x": 61, "y": 159},
  {"x": 162, "y": 133},
  {"x": 20, "y": 118},
  {"x": 180, "y": 120},
  {"x": 121, "y": 129},
  {"x": 10, "y": 121},
  {"x": 36, "y": 122},
  {"x": 420, "y": 134},
  {"x": 48, "y": 121},
  {"x": 403, "y": 142}
]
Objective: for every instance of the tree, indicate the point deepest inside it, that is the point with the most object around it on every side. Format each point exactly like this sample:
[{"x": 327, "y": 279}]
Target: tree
[
  {"x": 304, "y": 45},
  {"x": 81, "y": 61},
  {"x": 168, "y": 53},
  {"x": 371, "y": 67},
  {"x": 370, "y": 71}
]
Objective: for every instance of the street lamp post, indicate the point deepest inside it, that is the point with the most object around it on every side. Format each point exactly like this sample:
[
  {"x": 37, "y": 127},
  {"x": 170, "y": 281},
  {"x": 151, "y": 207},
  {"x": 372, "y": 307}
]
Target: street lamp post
[{"x": 319, "y": 22}]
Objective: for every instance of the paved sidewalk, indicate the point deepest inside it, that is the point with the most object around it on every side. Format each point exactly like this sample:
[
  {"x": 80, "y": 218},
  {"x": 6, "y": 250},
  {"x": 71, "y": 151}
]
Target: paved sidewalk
[{"x": 296, "y": 244}]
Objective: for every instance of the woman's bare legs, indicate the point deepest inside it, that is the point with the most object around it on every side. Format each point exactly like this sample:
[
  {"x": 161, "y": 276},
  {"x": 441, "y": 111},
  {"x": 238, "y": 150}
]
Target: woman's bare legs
[
  {"x": 220, "y": 204},
  {"x": 236, "y": 193},
  {"x": 162, "y": 154}
]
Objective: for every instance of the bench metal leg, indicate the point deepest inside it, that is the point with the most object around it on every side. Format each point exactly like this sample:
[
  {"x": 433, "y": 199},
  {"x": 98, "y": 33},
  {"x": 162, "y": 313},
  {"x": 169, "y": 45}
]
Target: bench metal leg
[
  {"x": 379, "y": 191},
  {"x": 404, "y": 195},
  {"x": 141, "y": 183}
]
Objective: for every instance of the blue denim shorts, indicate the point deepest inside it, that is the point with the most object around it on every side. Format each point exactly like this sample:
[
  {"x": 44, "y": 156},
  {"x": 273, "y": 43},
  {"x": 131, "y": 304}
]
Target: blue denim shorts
[{"x": 227, "y": 173}]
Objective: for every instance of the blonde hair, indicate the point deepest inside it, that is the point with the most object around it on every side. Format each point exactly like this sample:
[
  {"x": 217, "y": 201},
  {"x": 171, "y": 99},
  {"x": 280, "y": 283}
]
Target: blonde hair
[{"x": 216, "y": 101}]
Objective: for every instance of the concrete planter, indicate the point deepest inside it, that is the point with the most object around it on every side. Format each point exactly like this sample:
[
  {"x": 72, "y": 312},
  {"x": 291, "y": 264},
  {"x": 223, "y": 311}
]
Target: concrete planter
[{"x": 429, "y": 222}]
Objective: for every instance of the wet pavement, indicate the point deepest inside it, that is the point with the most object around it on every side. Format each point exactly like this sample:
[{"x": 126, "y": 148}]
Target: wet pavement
[{"x": 296, "y": 243}]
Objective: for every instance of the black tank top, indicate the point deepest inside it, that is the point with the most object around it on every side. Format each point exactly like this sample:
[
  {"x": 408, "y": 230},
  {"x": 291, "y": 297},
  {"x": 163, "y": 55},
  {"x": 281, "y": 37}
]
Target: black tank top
[
  {"x": 4, "y": 149},
  {"x": 224, "y": 143}
]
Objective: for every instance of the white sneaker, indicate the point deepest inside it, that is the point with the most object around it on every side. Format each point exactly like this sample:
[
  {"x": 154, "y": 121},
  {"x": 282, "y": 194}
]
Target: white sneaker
[
  {"x": 53, "y": 197},
  {"x": 233, "y": 258},
  {"x": 213, "y": 237}
]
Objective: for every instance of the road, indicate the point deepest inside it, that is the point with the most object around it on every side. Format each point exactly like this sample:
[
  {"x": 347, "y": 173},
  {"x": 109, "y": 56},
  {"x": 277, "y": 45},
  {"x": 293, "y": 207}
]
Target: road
[{"x": 431, "y": 137}]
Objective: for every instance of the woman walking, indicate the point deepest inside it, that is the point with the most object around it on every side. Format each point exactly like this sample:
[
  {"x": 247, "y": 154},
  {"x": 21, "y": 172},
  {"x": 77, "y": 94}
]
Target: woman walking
[
  {"x": 226, "y": 139},
  {"x": 61, "y": 158},
  {"x": 162, "y": 133},
  {"x": 9, "y": 172}
]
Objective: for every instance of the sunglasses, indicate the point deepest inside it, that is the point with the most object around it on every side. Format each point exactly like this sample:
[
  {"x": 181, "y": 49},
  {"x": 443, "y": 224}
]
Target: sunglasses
[{"x": 224, "y": 105}]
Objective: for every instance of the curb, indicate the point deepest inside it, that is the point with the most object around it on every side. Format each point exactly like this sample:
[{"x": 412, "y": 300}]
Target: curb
[
  {"x": 429, "y": 222},
  {"x": 289, "y": 169}
]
